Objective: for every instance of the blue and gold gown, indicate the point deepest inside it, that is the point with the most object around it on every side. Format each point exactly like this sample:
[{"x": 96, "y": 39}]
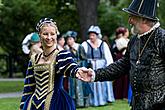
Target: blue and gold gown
[{"x": 43, "y": 86}]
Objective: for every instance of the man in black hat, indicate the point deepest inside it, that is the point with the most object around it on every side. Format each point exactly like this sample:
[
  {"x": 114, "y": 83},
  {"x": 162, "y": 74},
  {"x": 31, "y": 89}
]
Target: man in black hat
[{"x": 144, "y": 60}]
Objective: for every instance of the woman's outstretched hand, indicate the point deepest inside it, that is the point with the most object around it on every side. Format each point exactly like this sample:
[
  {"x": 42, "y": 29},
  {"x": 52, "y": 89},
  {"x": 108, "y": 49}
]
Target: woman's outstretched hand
[{"x": 84, "y": 74}]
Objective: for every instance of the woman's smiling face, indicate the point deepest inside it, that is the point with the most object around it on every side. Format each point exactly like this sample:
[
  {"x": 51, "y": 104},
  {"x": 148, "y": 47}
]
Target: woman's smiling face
[{"x": 48, "y": 36}]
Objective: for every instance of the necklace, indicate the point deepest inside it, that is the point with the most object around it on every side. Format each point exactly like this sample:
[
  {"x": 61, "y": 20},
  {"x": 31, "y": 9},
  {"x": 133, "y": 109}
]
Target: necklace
[
  {"x": 46, "y": 57},
  {"x": 141, "y": 52}
]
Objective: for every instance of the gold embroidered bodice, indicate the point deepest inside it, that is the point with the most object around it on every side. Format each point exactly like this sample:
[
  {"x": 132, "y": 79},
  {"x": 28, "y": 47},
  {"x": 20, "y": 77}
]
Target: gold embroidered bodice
[{"x": 44, "y": 78}]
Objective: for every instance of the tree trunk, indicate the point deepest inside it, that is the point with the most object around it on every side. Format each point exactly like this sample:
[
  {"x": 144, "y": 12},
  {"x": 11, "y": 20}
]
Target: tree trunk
[{"x": 87, "y": 10}]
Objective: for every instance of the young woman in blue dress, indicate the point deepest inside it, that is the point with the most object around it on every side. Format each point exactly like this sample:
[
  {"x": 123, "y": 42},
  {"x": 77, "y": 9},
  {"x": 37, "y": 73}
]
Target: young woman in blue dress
[{"x": 43, "y": 88}]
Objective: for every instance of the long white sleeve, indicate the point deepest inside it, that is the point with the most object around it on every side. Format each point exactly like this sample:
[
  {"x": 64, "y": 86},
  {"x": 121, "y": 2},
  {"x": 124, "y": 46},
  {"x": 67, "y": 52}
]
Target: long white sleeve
[{"x": 108, "y": 55}]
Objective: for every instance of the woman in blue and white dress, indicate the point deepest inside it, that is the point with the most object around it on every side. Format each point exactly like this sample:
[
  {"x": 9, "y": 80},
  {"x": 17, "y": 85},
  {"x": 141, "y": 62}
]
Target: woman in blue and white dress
[
  {"x": 43, "y": 85},
  {"x": 98, "y": 54}
]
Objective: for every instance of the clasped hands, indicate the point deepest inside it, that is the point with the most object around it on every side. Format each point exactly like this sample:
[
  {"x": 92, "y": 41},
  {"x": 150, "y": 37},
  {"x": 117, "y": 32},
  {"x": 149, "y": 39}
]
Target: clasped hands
[{"x": 84, "y": 74}]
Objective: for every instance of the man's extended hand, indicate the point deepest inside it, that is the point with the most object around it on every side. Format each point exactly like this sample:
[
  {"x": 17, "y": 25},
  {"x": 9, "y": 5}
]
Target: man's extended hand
[{"x": 85, "y": 74}]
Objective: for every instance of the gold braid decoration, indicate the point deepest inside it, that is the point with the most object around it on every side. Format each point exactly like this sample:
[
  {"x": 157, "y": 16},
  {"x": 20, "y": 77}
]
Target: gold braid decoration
[{"x": 51, "y": 81}]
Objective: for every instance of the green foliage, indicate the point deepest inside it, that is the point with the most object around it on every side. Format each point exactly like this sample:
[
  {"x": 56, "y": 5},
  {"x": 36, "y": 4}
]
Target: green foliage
[
  {"x": 161, "y": 13},
  {"x": 19, "y": 17},
  {"x": 111, "y": 17},
  {"x": 67, "y": 19},
  {"x": 109, "y": 20},
  {"x": 3, "y": 63}
]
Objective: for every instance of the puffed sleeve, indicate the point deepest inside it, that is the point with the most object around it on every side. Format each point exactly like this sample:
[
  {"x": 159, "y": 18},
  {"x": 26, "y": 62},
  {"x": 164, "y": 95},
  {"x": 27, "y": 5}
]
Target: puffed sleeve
[
  {"x": 108, "y": 55},
  {"x": 65, "y": 64},
  {"x": 29, "y": 85}
]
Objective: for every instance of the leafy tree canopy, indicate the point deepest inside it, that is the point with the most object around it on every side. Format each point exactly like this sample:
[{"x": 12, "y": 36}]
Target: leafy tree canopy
[{"x": 19, "y": 17}]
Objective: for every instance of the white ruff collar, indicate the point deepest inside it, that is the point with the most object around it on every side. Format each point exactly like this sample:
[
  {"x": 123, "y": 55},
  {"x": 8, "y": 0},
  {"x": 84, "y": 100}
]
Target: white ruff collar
[{"x": 153, "y": 28}]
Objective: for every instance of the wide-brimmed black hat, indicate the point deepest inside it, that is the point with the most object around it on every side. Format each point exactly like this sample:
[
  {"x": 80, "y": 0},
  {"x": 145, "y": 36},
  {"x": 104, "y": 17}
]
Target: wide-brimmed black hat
[{"x": 143, "y": 8}]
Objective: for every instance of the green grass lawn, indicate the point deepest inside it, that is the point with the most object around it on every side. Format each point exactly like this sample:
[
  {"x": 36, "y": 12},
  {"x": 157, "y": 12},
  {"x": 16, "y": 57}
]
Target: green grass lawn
[
  {"x": 9, "y": 103},
  {"x": 117, "y": 105},
  {"x": 11, "y": 86},
  {"x": 16, "y": 86},
  {"x": 13, "y": 104}
]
